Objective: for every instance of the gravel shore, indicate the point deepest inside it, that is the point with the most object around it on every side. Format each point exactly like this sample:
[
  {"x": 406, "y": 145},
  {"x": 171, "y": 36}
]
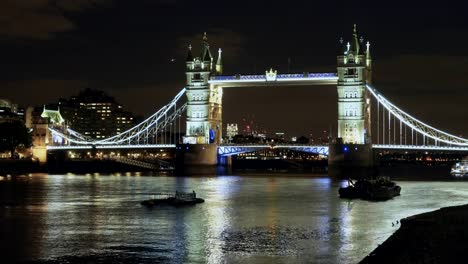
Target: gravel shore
[{"x": 440, "y": 236}]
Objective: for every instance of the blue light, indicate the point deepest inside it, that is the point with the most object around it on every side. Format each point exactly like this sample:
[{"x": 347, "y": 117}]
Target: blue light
[
  {"x": 212, "y": 134},
  {"x": 345, "y": 149}
]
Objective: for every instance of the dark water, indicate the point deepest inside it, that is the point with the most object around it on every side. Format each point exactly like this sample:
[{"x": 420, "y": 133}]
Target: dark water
[{"x": 248, "y": 219}]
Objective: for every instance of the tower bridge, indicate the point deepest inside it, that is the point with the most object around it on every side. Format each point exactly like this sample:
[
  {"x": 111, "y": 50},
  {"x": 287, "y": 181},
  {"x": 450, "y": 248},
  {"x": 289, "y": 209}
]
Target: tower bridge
[{"x": 361, "y": 108}]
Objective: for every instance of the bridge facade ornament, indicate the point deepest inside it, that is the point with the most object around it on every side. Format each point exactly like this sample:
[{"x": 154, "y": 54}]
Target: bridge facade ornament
[{"x": 271, "y": 75}]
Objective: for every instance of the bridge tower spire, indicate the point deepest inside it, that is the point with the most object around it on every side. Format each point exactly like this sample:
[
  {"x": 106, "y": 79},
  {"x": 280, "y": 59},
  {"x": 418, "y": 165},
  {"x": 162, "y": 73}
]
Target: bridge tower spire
[
  {"x": 206, "y": 53},
  {"x": 219, "y": 63}
]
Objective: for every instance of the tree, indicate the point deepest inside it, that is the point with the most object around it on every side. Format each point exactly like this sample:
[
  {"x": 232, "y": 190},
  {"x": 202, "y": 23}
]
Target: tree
[
  {"x": 302, "y": 140},
  {"x": 13, "y": 134}
]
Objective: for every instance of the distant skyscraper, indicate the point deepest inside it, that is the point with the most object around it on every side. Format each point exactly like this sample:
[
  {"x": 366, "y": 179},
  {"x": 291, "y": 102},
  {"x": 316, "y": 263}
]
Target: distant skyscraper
[{"x": 95, "y": 114}]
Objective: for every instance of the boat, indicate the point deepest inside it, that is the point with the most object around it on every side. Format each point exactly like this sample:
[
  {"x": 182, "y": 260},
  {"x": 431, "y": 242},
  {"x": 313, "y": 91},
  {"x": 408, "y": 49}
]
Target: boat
[
  {"x": 460, "y": 169},
  {"x": 177, "y": 199},
  {"x": 379, "y": 189}
]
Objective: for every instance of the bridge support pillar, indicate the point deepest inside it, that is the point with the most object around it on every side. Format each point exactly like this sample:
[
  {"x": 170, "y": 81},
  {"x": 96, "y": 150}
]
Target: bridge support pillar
[
  {"x": 196, "y": 157},
  {"x": 225, "y": 161},
  {"x": 351, "y": 160}
]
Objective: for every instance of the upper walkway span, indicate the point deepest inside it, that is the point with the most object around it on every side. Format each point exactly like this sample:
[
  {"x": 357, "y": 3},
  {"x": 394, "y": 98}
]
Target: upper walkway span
[{"x": 277, "y": 79}]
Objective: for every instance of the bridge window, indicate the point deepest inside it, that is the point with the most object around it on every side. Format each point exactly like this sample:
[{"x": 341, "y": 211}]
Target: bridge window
[{"x": 351, "y": 71}]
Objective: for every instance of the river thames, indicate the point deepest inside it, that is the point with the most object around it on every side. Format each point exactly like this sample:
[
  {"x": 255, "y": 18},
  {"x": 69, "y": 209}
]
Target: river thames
[{"x": 277, "y": 218}]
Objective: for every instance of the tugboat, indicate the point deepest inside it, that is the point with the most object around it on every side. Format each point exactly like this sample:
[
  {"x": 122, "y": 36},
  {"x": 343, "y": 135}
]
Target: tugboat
[
  {"x": 379, "y": 189},
  {"x": 177, "y": 199}
]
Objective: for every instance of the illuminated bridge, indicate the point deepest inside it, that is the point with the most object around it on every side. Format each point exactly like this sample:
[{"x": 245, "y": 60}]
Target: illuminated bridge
[{"x": 362, "y": 109}]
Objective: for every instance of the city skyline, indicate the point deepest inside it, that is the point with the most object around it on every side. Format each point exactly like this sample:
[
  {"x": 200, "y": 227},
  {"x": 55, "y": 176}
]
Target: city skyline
[{"x": 134, "y": 52}]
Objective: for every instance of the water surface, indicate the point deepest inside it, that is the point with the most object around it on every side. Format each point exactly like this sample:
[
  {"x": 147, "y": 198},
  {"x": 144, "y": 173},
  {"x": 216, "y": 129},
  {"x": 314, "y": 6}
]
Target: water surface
[{"x": 245, "y": 219}]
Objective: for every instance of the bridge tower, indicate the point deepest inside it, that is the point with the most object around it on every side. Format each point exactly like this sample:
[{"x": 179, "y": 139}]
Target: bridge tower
[
  {"x": 204, "y": 105},
  {"x": 353, "y": 147},
  {"x": 204, "y": 120}
]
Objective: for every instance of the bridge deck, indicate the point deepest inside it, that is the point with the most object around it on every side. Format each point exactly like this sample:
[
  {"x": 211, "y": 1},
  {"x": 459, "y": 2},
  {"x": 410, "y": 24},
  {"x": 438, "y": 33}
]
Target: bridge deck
[
  {"x": 148, "y": 146},
  {"x": 236, "y": 149},
  {"x": 419, "y": 147}
]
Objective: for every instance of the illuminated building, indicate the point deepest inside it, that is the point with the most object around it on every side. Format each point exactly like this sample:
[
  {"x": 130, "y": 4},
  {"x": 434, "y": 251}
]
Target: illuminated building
[
  {"x": 95, "y": 114},
  {"x": 354, "y": 72},
  {"x": 38, "y": 120},
  {"x": 279, "y": 136},
  {"x": 231, "y": 131},
  {"x": 10, "y": 111}
]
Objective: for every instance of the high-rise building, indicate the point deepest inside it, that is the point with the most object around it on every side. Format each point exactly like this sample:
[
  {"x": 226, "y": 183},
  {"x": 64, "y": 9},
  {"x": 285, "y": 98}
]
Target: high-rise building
[
  {"x": 354, "y": 72},
  {"x": 95, "y": 114}
]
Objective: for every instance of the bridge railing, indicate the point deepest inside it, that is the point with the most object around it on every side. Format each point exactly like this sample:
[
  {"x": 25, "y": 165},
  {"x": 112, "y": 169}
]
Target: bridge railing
[
  {"x": 229, "y": 150},
  {"x": 279, "y": 76}
]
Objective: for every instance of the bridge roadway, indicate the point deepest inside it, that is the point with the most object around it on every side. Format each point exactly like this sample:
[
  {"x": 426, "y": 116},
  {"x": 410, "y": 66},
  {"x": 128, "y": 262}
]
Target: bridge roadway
[
  {"x": 279, "y": 79},
  {"x": 230, "y": 150}
]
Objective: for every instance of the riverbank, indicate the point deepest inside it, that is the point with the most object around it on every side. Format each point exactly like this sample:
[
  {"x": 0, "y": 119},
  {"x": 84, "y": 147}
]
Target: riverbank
[
  {"x": 434, "y": 237},
  {"x": 20, "y": 166},
  {"x": 26, "y": 166}
]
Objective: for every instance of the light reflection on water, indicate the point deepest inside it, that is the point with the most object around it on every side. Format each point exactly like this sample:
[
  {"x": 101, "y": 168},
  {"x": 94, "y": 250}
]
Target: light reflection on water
[{"x": 277, "y": 219}]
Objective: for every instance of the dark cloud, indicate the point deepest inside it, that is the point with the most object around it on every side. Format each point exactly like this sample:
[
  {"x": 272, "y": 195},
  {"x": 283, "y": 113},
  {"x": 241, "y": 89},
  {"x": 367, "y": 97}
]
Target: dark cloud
[{"x": 39, "y": 19}]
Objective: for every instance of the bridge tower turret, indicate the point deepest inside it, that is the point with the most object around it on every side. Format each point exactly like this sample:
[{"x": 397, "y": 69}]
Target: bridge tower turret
[{"x": 353, "y": 147}]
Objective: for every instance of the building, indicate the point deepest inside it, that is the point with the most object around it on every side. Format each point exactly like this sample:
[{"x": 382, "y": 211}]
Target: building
[
  {"x": 279, "y": 137},
  {"x": 231, "y": 131},
  {"x": 95, "y": 114},
  {"x": 10, "y": 111},
  {"x": 38, "y": 120}
]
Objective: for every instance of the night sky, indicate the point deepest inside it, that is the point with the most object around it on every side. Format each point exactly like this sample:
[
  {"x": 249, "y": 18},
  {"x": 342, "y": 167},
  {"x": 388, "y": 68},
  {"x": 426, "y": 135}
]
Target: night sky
[{"x": 135, "y": 51}]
